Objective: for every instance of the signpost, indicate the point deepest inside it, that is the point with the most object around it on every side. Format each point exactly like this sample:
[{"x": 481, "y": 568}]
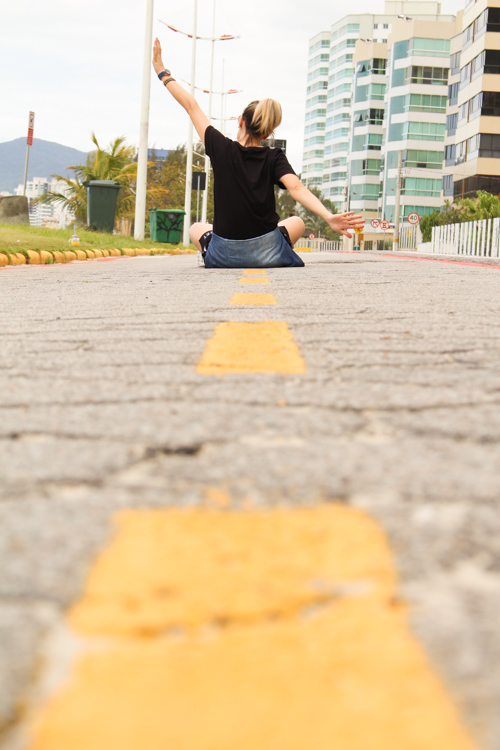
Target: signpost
[
  {"x": 29, "y": 142},
  {"x": 384, "y": 225},
  {"x": 359, "y": 232},
  {"x": 311, "y": 236},
  {"x": 413, "y": 218},
  {"x": 375, "y": 224}
]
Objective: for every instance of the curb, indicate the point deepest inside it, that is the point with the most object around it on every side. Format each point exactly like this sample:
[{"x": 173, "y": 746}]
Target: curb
[{"x": 49, "y": 257}]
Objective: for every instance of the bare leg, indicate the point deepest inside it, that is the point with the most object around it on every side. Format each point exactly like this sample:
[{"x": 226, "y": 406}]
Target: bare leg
[
  {"x": 197, "y": 231},
  {"x": 295, "y": 227}
]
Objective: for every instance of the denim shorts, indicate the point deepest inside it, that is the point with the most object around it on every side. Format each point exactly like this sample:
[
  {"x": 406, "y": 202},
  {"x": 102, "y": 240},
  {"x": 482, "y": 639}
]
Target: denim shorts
[{"x": 271, "y": 250}]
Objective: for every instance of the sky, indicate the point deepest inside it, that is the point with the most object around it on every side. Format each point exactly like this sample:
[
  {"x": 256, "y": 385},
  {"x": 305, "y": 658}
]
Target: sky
[{"x": 79, "y": 66}]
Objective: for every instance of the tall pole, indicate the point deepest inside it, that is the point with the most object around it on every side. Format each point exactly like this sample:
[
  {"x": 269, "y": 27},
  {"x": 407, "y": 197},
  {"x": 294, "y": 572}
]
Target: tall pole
[
  {"x": 222, "y": 123},
  {"x": 29, "y": 142},
  {"x": 207, "y": 160},
  {"x": 395, "y": 244},
  {"x": 189, "y": 160},
  {"x": 142, "y": 162}
]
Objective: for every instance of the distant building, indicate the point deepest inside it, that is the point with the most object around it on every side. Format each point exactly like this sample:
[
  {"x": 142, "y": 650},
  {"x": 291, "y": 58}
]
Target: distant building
[
  {"x": 53, "y": 215},
  {"x": 157, "y": 154}
]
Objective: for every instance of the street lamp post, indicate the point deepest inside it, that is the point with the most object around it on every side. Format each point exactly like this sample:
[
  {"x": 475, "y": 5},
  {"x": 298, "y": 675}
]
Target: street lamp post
[
  {"x": 142, "y": 161},
  {"x": 189, "y": 159}
]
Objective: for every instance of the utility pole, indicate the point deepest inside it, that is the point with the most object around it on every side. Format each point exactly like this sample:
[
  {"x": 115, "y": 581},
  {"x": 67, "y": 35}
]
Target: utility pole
[
  {"x": 395, "y": 245},
  {"x": 207, "y": 159},
  {"x": 189, "y": 159},
  {"x": 142, "y": 161}
]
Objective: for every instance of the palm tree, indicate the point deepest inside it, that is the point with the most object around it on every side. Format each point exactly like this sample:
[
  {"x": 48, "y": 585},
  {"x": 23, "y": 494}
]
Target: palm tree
[
  {"x": 114, "y": 163},
  {"x": 484, "y": 206}
]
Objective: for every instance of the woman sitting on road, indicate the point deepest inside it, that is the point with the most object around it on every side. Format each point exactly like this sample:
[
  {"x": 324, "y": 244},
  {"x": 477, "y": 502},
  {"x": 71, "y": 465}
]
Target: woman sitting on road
[{"x": 246, "y": 232}]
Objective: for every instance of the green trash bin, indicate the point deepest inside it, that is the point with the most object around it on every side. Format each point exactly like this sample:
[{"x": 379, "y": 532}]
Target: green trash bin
[
  {"x": 165, "y": 224},
  {"x": 101, "y": 203}
]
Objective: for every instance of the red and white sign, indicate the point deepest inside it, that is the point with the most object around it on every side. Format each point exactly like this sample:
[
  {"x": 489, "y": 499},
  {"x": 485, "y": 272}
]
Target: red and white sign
[
  {"x": 311, "y": 236},
  {"x": 375, "y": 223},
  {"x": 384, "y": 224},
  {"x": 413, "y": 218},
  {"x": 31, "y": 127}
]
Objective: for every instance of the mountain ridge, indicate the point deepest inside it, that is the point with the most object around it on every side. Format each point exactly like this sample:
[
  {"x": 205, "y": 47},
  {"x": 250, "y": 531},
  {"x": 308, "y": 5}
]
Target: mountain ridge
[{"x": 45, "y": 158}]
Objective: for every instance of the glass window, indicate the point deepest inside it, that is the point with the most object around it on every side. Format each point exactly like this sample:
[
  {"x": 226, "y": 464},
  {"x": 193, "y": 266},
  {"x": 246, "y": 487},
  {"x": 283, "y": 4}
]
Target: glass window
[
  {"x": 491, "y": 61},
  {"x": 463, "y": 112},
  {"x": 465, "y": 75},
  {"x": 453, "y": 93},
  {"x": 468, "y": 36},
  {"x": 425, "y": 131},
  {"x": 376, "y": 91},
  {"x": 426, "y": 74},
  {"x": 491, "y": 104},
  {"x": 362, "y": 68},
  {"x": 425, "y": 103},
  {"x": 429, "y": 47},
  {"x": 377, "y": 66},
  {"x": 454, "y": 63},
  {"x": 474, "y": 105},
  {"x": 450, "y": 153},
  {"x": 489, "y": 145},
  {"x": 400, "y": 50},
  {"x": 493, "y": 19}
]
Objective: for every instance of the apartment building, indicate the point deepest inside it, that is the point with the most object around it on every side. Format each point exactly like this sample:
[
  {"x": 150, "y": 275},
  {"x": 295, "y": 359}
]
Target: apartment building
[
  {"x": 476, "y": 128},
  {"x": 452, "y": 112},
  {"x": 415, "y": 125},
  {"x": 329, "y": 95},
  {"x": 367, "y": 127}
]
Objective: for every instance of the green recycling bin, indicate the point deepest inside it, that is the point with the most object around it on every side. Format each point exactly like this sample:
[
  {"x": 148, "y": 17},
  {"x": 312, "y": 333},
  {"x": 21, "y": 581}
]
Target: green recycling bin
[
  {"x": 101, "y": 203},
  {"x": 165, "y": 224}
]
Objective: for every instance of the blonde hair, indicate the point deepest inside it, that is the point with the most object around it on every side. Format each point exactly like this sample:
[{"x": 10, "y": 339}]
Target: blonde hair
[{"x": 261, "y": 118}]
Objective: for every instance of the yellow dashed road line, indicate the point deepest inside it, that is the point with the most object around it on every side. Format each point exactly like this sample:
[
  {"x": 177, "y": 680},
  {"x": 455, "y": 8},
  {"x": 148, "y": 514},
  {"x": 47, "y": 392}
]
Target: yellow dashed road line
[
  {"x": 254, "y": 271},
  {"x": 251, "y": 280},
  {"x": 263, "y": 347},
  {"x": 276, "y": 630},
  {"x": 253, "y": 298}
]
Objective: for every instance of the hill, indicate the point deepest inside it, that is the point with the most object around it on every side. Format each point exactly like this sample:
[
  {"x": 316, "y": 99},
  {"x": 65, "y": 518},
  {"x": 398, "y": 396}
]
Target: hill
[{"x": 45, "y": 158}]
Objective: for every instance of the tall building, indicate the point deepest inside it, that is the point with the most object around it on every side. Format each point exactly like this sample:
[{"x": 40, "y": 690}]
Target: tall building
[
  {"x": 53, "y": 215},
  {"x": 473, "y": 138},
  {"x": 329, "y": 95},
  {"x": 415, "y": 124}
]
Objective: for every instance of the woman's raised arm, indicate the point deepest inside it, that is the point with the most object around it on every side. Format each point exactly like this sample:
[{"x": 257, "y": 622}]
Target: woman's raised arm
[{"x": 198, "y": 117}]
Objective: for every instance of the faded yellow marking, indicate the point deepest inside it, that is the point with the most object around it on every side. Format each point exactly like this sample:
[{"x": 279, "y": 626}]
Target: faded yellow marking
[
  {"x": 216, "y": 498},
  {"x": 276, "y": 630},
  {"x": 254, "y": 281},
  {"x": 263, "y": 347},
  {"x": 253, "y": 298},
  {"x": 251, "y": 271}
]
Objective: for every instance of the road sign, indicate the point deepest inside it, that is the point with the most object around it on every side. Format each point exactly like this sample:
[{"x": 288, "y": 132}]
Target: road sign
[
  {"x": 384, "y": 224},
  {"x": 375, "y": 223},
  {"x": 413, "y": 218},
  {"x": 31, "y": 125},
  {"x": 311, "y": 236}
]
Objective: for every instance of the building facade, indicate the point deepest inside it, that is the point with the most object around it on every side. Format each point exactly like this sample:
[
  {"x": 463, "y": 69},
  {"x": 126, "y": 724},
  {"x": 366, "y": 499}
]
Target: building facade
[
  {"x": 473, "y": 137},
  {"x": 53, "y": 215},
  {"x": 337, "y": 92}
]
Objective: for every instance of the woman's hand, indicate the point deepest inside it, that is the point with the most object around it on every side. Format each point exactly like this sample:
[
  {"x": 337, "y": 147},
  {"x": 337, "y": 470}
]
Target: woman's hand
[
  {"x": 157, "y": 61},
  {"x": 343, "y": 222}
]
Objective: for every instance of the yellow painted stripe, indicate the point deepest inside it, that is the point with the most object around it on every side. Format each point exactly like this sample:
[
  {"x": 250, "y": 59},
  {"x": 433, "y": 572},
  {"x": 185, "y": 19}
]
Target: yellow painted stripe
[
  {"x": 253, "y": 298},
  {"x": 252, "y": 271},
  {"x": 276, "y": 630},
  {"x": 251, "y": 280},
  {"x": 263, "y": 347}
]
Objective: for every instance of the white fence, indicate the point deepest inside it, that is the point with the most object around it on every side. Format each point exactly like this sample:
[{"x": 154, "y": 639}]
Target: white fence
[
  {"x": 480, "y": 238},
  {"x": 321, "y": 245}
]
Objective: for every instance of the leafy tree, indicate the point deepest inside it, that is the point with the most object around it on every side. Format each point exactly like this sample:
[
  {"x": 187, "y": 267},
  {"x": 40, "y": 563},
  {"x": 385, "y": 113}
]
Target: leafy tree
[
  {"x": 114, "y": 163},
  {"x": 484, "y": 206},
  {"x": 313, "y": 222}
]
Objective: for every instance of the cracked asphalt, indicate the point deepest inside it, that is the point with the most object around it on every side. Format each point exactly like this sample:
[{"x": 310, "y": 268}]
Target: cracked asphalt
[{"x": 397, "y": 414}]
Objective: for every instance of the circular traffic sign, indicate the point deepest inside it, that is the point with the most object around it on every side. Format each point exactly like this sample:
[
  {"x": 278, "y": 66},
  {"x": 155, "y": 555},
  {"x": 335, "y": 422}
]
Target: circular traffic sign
[
  {"x": 311, "y": 236},
  {"x": 375, "y": 223},
  {"x": 413, "y": 218},
  {"x": 384, "y": 224}
]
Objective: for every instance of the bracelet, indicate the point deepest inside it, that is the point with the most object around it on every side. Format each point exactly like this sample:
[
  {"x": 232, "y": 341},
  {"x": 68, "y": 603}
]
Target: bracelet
[{"x": 168, "y": 80}]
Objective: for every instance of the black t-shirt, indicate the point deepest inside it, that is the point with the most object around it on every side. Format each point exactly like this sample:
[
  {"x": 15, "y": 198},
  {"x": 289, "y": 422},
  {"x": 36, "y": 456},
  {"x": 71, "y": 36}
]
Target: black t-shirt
[{"x": 244, "y": 180}]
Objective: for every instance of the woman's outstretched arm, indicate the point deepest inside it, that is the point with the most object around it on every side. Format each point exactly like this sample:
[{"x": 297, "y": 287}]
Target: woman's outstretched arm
[
  {"x": 198, "y": 117},
  {"x": 338, "y": 222}
]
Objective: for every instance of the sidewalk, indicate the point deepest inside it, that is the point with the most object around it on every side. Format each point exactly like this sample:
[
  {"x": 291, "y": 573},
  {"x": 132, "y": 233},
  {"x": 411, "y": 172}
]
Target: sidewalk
[{"x": 140, "y": 415}]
